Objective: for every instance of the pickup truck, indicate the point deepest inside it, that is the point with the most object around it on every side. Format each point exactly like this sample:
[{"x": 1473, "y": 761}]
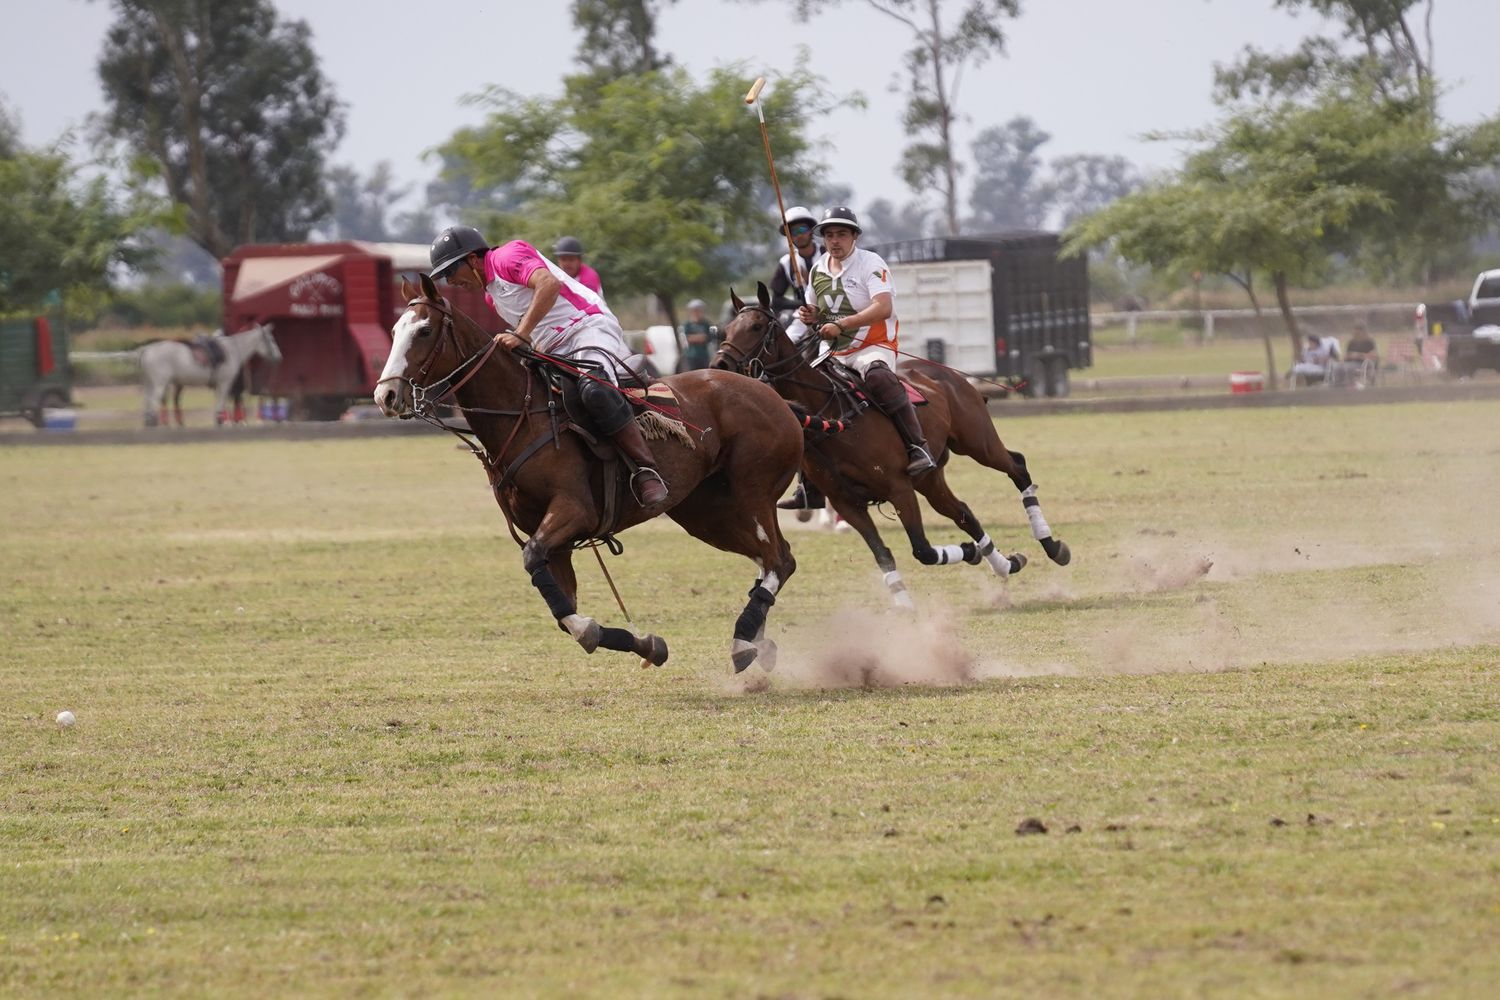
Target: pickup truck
[{"x": 1470, "y": 326}]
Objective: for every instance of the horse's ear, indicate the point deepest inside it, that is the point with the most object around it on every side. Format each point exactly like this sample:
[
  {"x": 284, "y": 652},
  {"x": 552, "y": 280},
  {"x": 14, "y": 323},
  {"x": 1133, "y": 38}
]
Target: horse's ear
[
  {"x": 429, "y": 289},
  {"x": 763, "y": 294},
  {"x": 408, "y": 290},
  {"x": 734, "y": 300}
]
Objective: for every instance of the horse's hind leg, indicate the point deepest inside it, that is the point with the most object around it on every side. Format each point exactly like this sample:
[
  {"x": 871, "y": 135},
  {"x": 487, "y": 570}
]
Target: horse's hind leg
[
  {"x": 979, "y": 441},
  {"x": 176, "y": 403},
  {"x": 1057, "y": 550},
  {"x": 938, "y": 493},
  {"x": 541, "y": 554}
]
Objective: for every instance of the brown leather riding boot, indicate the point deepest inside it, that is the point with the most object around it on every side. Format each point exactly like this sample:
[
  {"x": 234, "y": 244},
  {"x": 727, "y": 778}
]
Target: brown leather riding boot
[
  {"x": 649, "y": 487},
  {"x": 887, "y": 392}
]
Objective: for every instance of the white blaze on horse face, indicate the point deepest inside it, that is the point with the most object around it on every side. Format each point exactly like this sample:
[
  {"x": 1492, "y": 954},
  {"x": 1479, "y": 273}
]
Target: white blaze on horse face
[{"x": 402, "y": 334}]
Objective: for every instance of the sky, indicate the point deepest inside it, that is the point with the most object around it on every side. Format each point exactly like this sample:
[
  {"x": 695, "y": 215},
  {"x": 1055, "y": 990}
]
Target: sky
[{"x": 1096, "y": 74}]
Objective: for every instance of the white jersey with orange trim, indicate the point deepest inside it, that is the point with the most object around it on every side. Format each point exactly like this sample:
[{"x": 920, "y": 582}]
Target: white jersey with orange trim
[{"x": 861, "y": 276}]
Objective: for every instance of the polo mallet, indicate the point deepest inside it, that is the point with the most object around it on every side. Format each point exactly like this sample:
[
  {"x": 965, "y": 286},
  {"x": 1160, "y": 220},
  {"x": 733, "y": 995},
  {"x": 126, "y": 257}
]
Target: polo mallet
[{"x": 753, "y": 97}]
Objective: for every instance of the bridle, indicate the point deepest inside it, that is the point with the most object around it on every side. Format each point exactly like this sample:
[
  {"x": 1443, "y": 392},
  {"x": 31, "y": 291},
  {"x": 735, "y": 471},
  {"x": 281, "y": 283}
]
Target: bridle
[
  {"x": 750, "y": 363},
  {"x": 425, "y": 396}
]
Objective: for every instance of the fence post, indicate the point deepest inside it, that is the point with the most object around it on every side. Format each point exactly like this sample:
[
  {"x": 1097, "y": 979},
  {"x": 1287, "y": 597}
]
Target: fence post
[
  {"x": 1208, "y": 327},
  {"x": 1130, "y": 329}
]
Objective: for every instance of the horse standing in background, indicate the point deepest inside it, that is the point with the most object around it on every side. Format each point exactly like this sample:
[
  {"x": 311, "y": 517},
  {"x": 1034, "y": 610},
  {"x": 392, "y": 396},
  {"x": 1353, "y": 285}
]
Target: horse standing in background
[{"x": 176, "y": 363}]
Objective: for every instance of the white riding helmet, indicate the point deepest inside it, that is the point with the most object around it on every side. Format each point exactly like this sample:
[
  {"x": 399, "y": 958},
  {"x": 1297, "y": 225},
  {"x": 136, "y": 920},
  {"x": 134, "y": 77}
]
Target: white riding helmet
[{"x": 798, "y": 213}]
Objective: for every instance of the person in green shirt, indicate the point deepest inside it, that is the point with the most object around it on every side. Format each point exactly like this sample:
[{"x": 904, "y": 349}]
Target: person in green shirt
[{"x": 701, "y": 337}]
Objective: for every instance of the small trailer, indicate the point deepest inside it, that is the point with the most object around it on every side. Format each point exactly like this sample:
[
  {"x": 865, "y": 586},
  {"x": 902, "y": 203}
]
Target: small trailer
[
  {"x": 34, "y": 372},
  {"x": 332, "y": 306},
  {"x": 1005, "y": 306}
]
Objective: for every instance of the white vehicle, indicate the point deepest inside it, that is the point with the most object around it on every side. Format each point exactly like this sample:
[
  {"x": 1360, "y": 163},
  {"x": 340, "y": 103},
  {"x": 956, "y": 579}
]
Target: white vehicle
[{"x": 659, "y": 345}]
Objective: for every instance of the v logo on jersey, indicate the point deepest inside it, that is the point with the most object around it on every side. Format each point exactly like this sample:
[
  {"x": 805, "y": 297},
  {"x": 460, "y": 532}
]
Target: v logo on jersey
[{"x": 834, "y": 304}]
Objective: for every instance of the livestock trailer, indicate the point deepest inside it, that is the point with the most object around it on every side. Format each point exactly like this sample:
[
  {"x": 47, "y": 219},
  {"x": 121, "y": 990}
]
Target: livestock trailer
[
  {"x": 332, "y": 306},
  {"x": 1008, "y": 306},
  {"x": 34, "y": 370}
]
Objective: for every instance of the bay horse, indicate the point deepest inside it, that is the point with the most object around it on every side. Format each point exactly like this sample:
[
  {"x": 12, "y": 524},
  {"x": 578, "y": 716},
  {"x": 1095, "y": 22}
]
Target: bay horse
[
  {"x": 172, "y": 364},
  {"x": 724, "y": 476},
  {"x": 865, "y": 462}
]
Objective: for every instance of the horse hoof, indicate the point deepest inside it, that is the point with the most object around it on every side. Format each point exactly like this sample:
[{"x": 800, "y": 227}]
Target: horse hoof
[
  {"x": 767, "y": 650},
  {"x": 654, "y": 649},
  {"x": 742, "y": 654},
  {"x": 1017, "y": 563},
  {"x": 1063, "y": 555}
]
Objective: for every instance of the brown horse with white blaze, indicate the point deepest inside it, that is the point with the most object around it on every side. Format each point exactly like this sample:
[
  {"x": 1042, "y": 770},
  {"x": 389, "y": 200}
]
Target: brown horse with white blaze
[
  {"x": 865, "y": 463},
  {"x": 745, "y": 448}
]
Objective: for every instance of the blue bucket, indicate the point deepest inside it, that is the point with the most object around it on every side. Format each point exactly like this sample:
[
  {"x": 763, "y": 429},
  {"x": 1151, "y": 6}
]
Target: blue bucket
[{"x": 59, "y": 420}]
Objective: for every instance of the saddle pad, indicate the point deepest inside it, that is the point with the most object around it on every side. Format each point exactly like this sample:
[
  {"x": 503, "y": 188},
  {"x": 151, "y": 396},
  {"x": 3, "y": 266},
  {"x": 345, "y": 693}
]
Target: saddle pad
[
  {"x": 660, "y": 397},
  {"x": 912, "y": 392}
]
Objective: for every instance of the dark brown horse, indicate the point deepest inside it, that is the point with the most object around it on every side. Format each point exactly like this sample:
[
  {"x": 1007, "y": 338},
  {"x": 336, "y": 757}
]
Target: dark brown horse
[
  {"x": 866, "y": 462},
  {"x": 743, "y": 451}
]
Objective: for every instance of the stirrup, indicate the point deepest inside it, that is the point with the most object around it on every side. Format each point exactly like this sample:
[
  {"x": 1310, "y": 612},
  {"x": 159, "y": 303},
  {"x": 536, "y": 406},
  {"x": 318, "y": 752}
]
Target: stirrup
[
  {"x": 921, "y": 460},
  {"x": 800, "y": 501},
  {"x": 638, "y": 493}
]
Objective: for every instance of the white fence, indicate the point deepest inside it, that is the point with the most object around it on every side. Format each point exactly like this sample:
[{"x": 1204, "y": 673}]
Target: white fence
[{"x": 1402, "y": 312}]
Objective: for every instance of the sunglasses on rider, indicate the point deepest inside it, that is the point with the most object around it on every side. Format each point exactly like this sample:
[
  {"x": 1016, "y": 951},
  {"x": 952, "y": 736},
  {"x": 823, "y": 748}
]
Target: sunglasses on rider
[{"x": 801, "y": 228}]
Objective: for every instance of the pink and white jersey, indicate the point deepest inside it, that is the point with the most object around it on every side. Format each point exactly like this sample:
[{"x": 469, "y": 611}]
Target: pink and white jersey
[{"x": 506, "y": 271}]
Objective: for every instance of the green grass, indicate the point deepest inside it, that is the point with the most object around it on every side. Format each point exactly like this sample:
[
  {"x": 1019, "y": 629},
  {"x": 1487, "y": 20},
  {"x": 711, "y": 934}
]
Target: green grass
[
  {"x": 328, "y": 742},
  {"x": 1220, "y": 357}
]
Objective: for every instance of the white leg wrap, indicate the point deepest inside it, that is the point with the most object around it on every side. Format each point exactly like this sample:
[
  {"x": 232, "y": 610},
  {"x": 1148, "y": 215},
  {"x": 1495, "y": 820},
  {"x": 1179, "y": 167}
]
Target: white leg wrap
[
  {"x": 949, "y": 554},
  {"x": 898, "y": 590},
  {"x": 1039, "y": 527},
  {"x": 998, "y": 563},
  {"x": 771, "y": 583}
]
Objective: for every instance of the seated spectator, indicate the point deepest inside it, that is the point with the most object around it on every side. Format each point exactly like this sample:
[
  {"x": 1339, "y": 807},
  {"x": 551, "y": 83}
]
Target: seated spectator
[
  {"x": 1314, "y": 364},
  {"x": 1362, "y": 345}
]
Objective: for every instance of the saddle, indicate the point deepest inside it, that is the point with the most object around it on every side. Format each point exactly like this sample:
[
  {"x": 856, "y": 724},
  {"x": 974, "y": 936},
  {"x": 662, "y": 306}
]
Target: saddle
[
  {"x": 655, "y": 408},
  {"x": 207, "y": 351}
]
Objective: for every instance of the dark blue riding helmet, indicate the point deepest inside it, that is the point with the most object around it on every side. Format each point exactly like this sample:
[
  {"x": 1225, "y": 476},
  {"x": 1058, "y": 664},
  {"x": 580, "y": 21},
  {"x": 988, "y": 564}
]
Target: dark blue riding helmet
[{"x": 452, "y": 246}]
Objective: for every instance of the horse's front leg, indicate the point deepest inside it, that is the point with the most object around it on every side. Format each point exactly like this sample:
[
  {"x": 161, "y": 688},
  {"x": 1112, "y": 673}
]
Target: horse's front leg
[
  {"x": 221, "y": 401},
  {"x": 547, "y": 556}
]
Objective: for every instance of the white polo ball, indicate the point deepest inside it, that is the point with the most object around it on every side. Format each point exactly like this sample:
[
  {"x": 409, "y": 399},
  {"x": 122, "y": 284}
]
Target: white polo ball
[{"x": 65, "y": 719}]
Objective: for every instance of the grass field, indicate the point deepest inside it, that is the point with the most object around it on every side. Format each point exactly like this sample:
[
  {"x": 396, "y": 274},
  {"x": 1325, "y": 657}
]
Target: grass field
[{"x": 328, "y": 742}]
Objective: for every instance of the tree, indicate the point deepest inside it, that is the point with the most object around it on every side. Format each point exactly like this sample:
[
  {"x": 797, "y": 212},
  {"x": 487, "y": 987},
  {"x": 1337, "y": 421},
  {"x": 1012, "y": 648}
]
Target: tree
[
  {"x": 1009, "y": 192},
  {"x": 886, "y": 222},
  {"x": 653, "y": 175},
  {"x": 361, "y": 208},
  {"x": 59, "y": 232},
  {"x": 947, "y": 38},
  {"x": 1391, "y": 53},
  {"x": 1084, "y": 183},
  {"x": 1275, "y": 190},
  {"x": 224, "y": 103},
  {"x": 619, "y": 38}
]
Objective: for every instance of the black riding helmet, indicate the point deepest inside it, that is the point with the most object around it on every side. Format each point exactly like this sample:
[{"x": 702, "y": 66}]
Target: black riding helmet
[
  {"x": 568, "y": 246},
  {"x": 839, "y": 216},
  {"x": 452, "y": 246}
]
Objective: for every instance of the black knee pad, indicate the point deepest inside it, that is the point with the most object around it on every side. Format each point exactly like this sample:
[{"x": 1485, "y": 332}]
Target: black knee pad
[{"x": 605, "y": 404}]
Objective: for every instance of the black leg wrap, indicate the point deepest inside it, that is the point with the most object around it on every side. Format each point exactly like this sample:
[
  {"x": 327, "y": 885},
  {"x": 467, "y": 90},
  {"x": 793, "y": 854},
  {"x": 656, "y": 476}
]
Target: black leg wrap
[
  {"x": 1023, "y": 477},
  {"x": 971, "y": 553},
  {"x": 753, "y": 619},
  {"x": 557, "y": 601},
  {"x": 1050, "y": 546},
  {"x": 925, "y": 554},
  {"x": 619, "y": 639}
]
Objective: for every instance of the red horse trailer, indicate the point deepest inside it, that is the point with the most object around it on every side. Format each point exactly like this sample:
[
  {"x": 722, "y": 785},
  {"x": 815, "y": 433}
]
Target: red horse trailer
[{"x": 332, "y": 306}]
